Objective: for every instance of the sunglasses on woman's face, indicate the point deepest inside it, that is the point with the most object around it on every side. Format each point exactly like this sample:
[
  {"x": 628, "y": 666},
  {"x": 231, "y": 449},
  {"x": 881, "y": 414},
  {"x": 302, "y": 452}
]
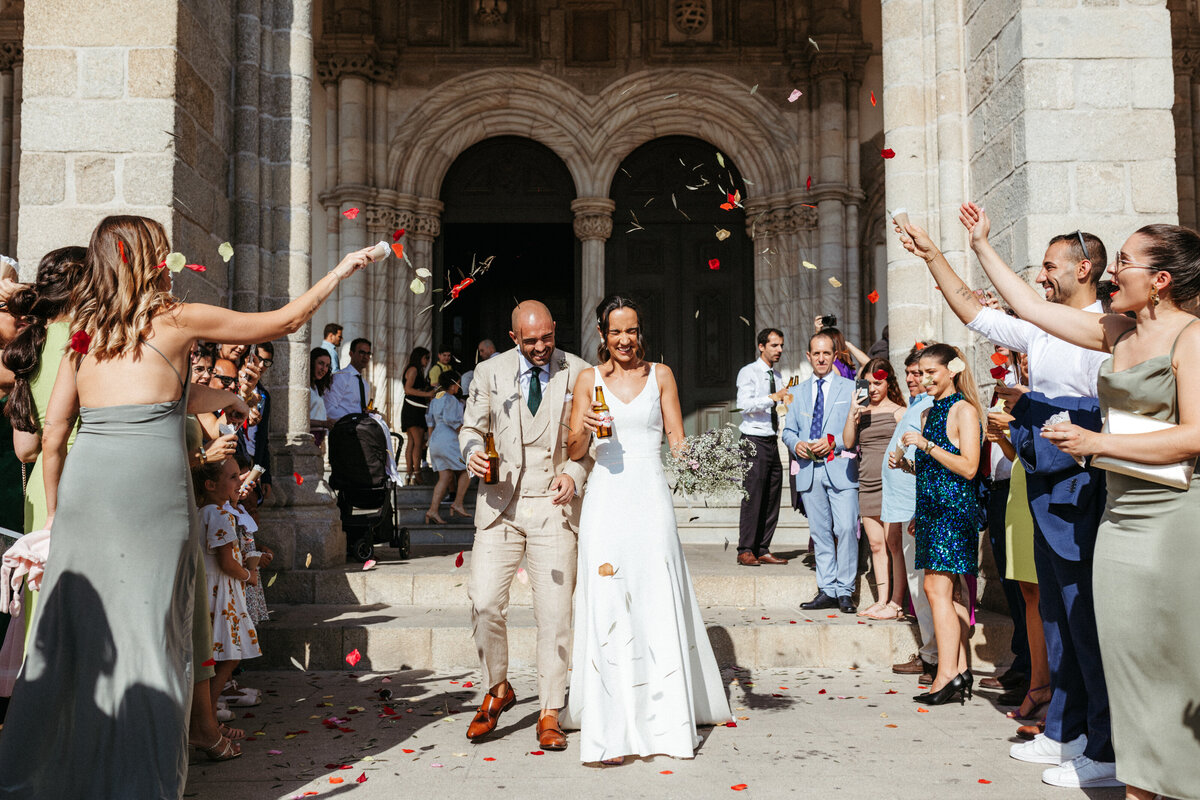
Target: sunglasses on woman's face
[{"x": 225, "y": 380}]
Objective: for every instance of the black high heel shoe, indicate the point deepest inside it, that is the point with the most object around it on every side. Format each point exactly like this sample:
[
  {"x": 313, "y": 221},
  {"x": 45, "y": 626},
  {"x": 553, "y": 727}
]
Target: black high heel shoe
[
  {"x": 956, "y": 688},
  {"x": 969, "y": 679}
]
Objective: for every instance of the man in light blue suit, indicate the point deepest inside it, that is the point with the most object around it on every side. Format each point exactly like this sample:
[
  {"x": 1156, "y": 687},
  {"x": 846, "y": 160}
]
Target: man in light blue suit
[{"x": 828, "y": 480}]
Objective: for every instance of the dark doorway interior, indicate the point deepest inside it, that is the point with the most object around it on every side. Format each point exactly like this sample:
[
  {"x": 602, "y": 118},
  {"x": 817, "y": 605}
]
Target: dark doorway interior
[
  {"x": 509, "y": 199},
  {"x": 698, "y": 316}
]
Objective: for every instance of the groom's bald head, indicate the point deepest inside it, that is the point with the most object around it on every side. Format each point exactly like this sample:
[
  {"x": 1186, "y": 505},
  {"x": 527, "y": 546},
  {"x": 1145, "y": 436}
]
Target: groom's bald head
[{"x": 533, "y": 331}]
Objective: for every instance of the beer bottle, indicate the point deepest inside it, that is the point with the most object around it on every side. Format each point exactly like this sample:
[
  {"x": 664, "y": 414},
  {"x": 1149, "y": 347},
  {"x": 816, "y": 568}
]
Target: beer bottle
[
  {"x": 489, "y": 449},
  {"x": 600, "y": 407}
]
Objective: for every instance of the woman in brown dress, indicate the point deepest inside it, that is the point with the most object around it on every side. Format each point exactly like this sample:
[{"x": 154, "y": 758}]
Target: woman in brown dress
[{"x": 870, "y": 426}]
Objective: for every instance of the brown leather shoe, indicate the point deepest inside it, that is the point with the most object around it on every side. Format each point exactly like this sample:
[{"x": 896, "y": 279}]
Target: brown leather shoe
[
  {"x": 767, "y": 558},
  {"x": 489, "y": 713},
  {"x": 747, "y": 560},
  {"x": 549, "y": 735},
  {"x": 914, "y": 666}
]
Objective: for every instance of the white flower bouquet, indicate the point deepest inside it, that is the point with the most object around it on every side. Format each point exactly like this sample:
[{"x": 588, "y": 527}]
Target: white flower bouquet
[{"x": 713, "y": 462}]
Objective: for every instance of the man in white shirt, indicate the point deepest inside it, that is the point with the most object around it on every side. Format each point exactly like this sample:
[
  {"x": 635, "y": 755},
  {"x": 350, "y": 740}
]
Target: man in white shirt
[
  {"x": 760, "y": 389},
  {"x": 1078, "y": 733},
  {"x": 350, "y": 393},
  {"x": 333, "y": 340}
]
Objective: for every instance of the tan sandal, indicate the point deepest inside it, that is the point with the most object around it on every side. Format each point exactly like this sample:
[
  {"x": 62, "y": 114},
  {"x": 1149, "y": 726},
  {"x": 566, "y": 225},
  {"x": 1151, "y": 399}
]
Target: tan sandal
[
  {"x": 222, "y": 750},
  {"x": 871, "y": 609}
]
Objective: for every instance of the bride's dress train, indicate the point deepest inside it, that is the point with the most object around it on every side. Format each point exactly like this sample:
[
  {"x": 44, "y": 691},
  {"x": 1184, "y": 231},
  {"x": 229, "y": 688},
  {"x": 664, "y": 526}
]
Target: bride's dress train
[{"x": 643, "y": 671}]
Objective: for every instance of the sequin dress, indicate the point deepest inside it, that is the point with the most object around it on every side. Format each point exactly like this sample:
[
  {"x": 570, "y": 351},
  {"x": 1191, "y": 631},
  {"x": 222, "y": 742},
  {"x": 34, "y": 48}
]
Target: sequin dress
[{"x": 947, "y": 504}]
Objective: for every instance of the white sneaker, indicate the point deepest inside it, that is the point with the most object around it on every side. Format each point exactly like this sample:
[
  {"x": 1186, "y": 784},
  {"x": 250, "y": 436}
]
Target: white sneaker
[
  {"x": 1044, "y": 750},
  {"x": 1083, "y": 773}
]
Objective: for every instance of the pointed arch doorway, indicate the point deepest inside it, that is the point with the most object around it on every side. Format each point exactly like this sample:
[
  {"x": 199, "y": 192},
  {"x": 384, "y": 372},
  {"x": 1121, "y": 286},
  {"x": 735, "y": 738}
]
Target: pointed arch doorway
[
  {"x": 507, "y": 198},
  {"x": 696, "y": 290}
]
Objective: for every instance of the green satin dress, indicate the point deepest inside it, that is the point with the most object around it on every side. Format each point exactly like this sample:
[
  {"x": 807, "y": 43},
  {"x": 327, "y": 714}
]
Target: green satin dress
[{"x": 1144, "y": 575}]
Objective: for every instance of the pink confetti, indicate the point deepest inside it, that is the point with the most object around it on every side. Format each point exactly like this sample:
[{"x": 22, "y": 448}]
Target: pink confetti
[
  {"x": 350, "y": 213},
  {"x": 795, "y": 95},
  {"x": 370, "y": 562},
  {"x": 353, "y": 657}
]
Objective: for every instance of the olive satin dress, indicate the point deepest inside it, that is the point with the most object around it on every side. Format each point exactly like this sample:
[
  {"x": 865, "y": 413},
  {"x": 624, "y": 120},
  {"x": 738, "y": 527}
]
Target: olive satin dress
[
  {"x": 1144, "y": 573},
  {"x": 101, "y": 707}
]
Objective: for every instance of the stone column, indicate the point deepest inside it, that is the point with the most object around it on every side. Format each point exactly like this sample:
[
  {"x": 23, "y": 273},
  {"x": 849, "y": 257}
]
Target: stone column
[
  {"x": 593, "y": 226},
  {"x": 427, "y": 226},
  {"x": 10, "y": 153},
  {"x": 828, "y": 193},
  {"x": 352, "y": 186}
]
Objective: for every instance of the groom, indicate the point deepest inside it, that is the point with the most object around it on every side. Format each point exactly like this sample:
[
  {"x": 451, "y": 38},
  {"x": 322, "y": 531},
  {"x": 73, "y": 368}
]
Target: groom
[{"x": 523, "y": 398}]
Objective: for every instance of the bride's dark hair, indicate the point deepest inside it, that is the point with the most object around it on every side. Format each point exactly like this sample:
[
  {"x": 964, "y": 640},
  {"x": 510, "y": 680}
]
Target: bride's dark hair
[{"x": 606, "y": 307}]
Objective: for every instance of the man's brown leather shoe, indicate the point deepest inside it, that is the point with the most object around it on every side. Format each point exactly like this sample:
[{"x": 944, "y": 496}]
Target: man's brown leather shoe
[
  {"x": 489, "y": 713},
  {"x": 767, "y": 558},
  {"x": 549, "y": 735},
  {"x": 747, "y": 560},
  {"x": 914, "y": 666}
]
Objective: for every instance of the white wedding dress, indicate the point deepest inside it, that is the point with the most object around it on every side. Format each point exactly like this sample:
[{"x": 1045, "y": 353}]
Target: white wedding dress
[{"x": 643, "y": 671}]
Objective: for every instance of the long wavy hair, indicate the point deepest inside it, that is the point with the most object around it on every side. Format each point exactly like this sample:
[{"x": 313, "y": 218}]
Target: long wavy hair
[
  {"x": 35, "y": 307},
  {"x": 603, "y": 312},
  {"x": 964, "y": 381},
  {"x": 322, "y": 385},
  {"x": 893, "y": 386},
  {"x": 123, "y": 289}
]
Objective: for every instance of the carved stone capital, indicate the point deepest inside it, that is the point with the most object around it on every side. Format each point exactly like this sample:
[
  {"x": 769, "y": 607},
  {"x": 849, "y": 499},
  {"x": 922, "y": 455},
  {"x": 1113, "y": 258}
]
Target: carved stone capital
[
  {"x": 779, "y": 218},
  {"x": 11, "y": 54},
  {"x": 845, "y": 60},
  {"x": 593, "y": 218},
  {"x": 336, "y": 59}
]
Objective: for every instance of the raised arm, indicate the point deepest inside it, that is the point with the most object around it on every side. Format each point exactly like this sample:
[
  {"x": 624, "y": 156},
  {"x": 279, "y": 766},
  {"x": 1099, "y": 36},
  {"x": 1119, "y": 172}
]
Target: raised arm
[
  {"x": 216, "y": 324},
  {"x": 962, "y": 301},
  {"x": 850, "y": 429},
  {"x": 205, "y": 399},
  {"x": 1082, "y": 328}
]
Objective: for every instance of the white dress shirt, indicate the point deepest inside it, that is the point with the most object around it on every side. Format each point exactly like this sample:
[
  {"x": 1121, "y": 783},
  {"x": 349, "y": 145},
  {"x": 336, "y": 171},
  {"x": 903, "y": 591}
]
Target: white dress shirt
[
  {"x": 328, "y": 347},
  {"x": 1056, "y": 368},
  {"x": 824, "y": 390},
  {"x": 753, "y": 388},
  {"x": 342, "y": 397},
  {"x": 543, "y": 377}
]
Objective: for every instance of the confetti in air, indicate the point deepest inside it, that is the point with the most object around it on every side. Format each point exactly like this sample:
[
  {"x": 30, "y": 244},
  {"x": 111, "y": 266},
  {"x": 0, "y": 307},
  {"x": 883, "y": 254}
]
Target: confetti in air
[
  {"x": 225, "y": 251},
  {"x": 350, "y": 213},
  {"x": 873, "y": 297},
  {"x": 353, "y": 657},
  {"x": 888, "y": 153},
  {"x": 795, "y": 95},
  {"x": 873, "y": 100},
  {"x": 835, "y": 283}
]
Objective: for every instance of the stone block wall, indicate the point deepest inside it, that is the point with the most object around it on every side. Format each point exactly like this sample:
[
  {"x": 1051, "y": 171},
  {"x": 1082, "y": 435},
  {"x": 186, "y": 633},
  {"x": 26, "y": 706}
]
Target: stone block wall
[{"x": 1070, "y": 120}]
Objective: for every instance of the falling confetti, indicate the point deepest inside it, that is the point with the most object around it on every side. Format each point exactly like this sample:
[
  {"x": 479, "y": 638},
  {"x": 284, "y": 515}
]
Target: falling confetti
[
  {"x": 175, "y": 262},
  {"x": 743, "y": 319},
  {"x": 998, "y": 373},
  {"x": 299, "y": 478},
  {"x": 458, "y": 287},
  {"x": 754, "y": 88},
  {"x": 888, "y": 153},
  {"x": 998, "y": 359},
  {"x": 722, "y": 234},
  {"x": 423, "y": 273},
  {"x": 417, "y": 286},
  {"x": 307, "y": 560},
  {"x": 720, "y": 159},
  {"x": 606, "y": 570},
  {"x": 808, "y": 183},
  {"x": 397, "y": 234},
  {"x": 795, "y": 95},
  {"x": 225, "y": 251},
  {"x": 808, "y": 265},
  {"x": 80, "y": 342},
  {"x": 873, "y": 100},
  {"x": 522, "y": 575},
  {"x": 714, "y": 263},
  {"x": 350, "y": 213},
  {"x": 458, "y": 560},
  {"x": 297, "y": 664},
  {"x": 873, "y": 297},
  {"x": 353, "y": 657},
  {"x": 398, "y": 249},
  {"x": 813, "y": 42},
  {"x": 835, "y": 283}
]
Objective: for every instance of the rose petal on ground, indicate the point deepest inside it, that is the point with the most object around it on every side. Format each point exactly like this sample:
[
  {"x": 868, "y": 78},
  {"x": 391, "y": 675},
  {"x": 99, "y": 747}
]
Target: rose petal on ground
[
  {"x": 666, "y": 772},
  {"x": 406, "y": 750},
  {"x": 353, "y": 657},
  {"x": 822, "y": 691},
  {"x": 536, "y": 753},
  {"x": 350, "y": 213},
  {"x": 891, "y": 725},
  {"x": 298, "y": 478},
  {"x": 731, "y": 724},
  {"x": 337, "y": 780},
  {"x": 361, "y": 778},
  {"x": 489, "y": 758},
  {"x": 458, "y": 560},
  {"x": 739, "y": 787},
  {"x": 984, "y": 780},
  {"x": 370, "y": 562},
  {"x": 922, "y": 710},
  {"x": 468, "y": 685}
]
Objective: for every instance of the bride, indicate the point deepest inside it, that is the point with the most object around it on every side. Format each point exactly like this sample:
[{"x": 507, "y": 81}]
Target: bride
[{"x": 643, "y": 671}]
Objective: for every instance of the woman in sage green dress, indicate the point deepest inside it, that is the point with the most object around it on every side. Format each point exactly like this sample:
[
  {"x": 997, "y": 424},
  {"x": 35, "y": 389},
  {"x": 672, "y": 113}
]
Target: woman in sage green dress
[
  {"x": 1147, "y": 548},
  {"x": 101, "y": 707}
]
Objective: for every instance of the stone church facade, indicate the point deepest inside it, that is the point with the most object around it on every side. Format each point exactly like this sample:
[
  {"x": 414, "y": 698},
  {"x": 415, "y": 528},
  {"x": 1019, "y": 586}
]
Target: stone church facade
[{"x": 563, "y": 138}]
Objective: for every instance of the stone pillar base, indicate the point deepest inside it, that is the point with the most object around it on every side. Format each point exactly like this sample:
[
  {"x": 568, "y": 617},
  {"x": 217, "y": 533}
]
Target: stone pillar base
[{"x": 302, "y": 524}]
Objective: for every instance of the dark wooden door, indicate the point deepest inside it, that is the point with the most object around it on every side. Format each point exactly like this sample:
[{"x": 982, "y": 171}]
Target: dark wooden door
[{"x": 698, "y": 316}]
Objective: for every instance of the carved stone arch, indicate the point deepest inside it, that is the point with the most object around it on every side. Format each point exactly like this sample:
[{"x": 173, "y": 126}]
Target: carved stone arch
[
  {"x": 654, "y": 104},
  {"x": 485, "y": 104}
]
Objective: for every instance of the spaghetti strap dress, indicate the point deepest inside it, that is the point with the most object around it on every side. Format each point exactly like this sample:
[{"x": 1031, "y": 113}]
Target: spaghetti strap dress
[
  {"x": 101, "y": 707},
  {"x": 1144, "y": 575}
]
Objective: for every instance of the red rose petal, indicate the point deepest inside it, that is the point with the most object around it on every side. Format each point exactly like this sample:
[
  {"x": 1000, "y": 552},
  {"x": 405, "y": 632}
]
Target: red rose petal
[
  {"x": 196, "y": 267},
  {"x": 299, "y": 478},
  {"x": 873, "y": 297},
  {"x": 468, "y": 685},
  {"x": 808, "y": 183},
  {"x": 888, "y": 153},
  {"x": 984, "y": 780},
  {"x": 890, "y": 691},
  {"x": 212, "y": 662},
  {"x": 999, "y": 358},
  {"x": 873, "y": 100},
  {"x": 731, "y": 724},
  {"x": 536, "y": 753},
  {"x": 80, "y": 342},
  {"x": 489, "y": 758},
  {"x": 998, "y": 372},
  {"x": 727, "y": 206},
  {"x": 397, "y": 234},
  {"x": 350, "y": 213},
  {"x": 353, "y": 657},
  {"x": 361, "y": 778},
  {"x": 880, "y": 374},
  {"x": 822, "y": 691},
  {"x": 458, "y": 561},
  {"x": 406, "y": 750},
  {"x": 766, "y": 617},
  {"x": 666, "y": 772},
  {"x": 714, "y": 263},
  {"x": 121, "y": 247},
  {"x": 739, "y": 787}
]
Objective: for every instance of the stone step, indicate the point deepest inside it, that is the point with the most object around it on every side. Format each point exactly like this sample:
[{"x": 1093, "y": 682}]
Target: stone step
[
  {"x": 433, "y": 580},
  {"x": 395, "y": 637}
]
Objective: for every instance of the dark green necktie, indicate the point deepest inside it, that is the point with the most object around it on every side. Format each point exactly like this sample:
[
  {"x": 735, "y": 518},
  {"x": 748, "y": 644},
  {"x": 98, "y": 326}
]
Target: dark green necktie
[{"x": 535, "y": 390}]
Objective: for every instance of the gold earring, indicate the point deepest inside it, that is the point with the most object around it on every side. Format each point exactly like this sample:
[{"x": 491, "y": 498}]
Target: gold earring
[{"x": 1154, "y": 296}]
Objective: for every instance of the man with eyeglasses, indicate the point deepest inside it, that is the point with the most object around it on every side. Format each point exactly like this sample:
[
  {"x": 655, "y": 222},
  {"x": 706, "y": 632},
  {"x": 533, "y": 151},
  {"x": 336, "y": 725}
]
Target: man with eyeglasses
[
  {"x": 350, "y": 393},
  {"x": 1066, "y": 500}
]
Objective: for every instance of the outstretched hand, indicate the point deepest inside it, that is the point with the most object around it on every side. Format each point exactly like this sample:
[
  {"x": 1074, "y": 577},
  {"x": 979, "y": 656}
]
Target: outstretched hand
[
  {"x": 916, "y": 241},
  {"x": 353, "y": 262},
  {"x": 976, "y": 221}
]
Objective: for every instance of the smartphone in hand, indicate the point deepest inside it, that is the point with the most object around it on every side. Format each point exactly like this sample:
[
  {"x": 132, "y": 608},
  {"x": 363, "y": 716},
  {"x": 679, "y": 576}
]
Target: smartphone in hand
[{"x": 861, "y": 391}]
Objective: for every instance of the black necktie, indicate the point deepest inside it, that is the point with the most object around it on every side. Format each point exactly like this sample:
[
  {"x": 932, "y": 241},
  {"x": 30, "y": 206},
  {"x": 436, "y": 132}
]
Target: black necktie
[
  {"x": 774, "y": 409},
  {"x": 535, "y": 390},
  {"x": 362, "y": 393}
]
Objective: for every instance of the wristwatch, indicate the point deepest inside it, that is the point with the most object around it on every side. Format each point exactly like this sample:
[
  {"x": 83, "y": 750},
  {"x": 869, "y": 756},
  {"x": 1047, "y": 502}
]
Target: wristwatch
[{"x": 929, "y": 447}]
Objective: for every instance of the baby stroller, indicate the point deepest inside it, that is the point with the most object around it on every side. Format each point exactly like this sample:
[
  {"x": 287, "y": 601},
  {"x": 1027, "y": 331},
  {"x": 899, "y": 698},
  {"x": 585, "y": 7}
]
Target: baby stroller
[{"x": 358, "y": 455}]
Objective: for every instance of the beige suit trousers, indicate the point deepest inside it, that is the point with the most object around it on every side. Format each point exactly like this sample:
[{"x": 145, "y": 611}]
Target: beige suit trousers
[{"x": 532, "y": 527}]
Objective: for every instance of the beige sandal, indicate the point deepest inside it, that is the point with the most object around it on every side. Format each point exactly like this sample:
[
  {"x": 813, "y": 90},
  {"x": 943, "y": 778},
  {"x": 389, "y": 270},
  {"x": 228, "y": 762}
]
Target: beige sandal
[{"x": 222, "y": 750}]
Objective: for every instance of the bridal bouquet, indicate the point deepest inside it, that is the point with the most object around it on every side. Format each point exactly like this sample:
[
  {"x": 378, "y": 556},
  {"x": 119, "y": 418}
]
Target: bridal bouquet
[{"x": 713, "y": 462}]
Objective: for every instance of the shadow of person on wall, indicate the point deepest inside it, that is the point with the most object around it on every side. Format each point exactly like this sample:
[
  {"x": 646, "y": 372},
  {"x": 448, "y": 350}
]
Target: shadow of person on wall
[{"x": 77, "y": 726}]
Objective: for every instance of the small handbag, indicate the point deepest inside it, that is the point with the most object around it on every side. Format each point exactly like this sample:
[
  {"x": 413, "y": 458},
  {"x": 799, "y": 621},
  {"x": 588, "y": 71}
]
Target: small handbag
[{"x": 1177, "y": 475}]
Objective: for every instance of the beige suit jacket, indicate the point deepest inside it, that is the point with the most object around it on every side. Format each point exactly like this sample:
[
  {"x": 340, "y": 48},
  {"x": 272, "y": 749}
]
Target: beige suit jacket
[{"x": 494, "y": 405}]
